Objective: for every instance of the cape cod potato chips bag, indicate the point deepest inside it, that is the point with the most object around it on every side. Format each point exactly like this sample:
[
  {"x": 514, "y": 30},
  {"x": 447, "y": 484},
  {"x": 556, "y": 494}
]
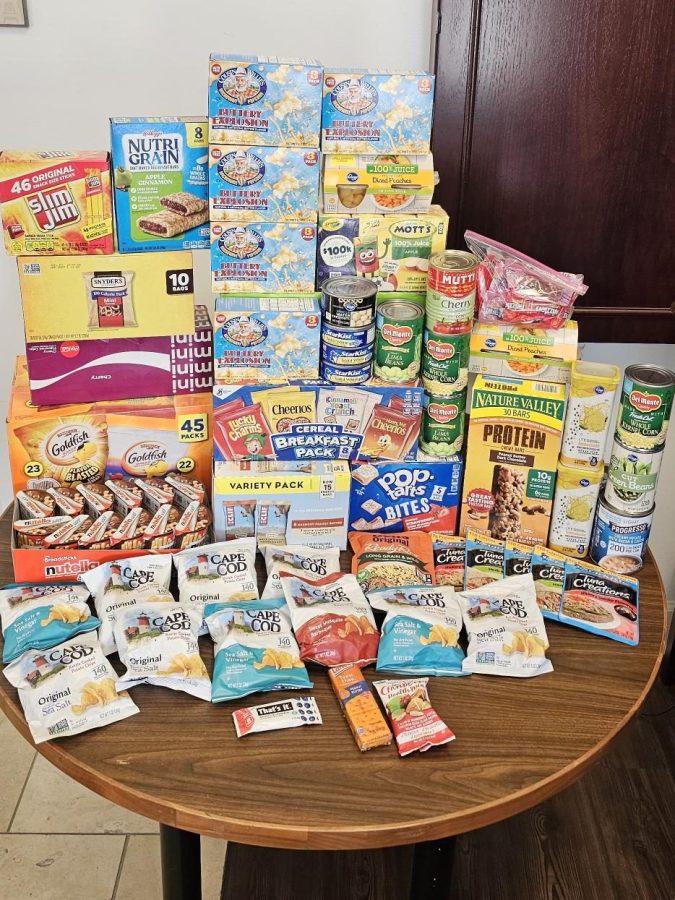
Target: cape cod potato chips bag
[
  {"x": 506, "y": 629},
  {"x": 39, "y": 616},
  {"x": 123, "y": 583},
  {"x": 68, "y": 689},
  {"x": 302, "y": 560},
  {"x": 216, "y": 573}
]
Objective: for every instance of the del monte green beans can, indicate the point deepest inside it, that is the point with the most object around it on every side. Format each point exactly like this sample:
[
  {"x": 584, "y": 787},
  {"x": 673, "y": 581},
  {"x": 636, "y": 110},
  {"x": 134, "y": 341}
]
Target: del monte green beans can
[
  {"x": 442, "y": 432},
  {"x": 445, "y": 362},
  {"x": 398, "y": 340},
  {"x": 646, "y": 404}
]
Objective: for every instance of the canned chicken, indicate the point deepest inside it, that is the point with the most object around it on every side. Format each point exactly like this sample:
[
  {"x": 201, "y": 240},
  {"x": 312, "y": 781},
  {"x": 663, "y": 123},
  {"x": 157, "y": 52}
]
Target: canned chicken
[
  {"x": 442, "y": 431},
  {"x": 619, "y": 540},
  {"x": 347, "y": 338},
  {"x": 348, "y": 301},
  {"x": 632, "y": 478},
  {"x": 574, "y": 502},
  {"x": 646, "y": 403},
  {"x": 398, "y": 340},
  {"x": 451, "y": 291},
  {"x": 345, "y": 375},
  {"x": 338, "y": 356},
  {"x": 445, "y": 363}
]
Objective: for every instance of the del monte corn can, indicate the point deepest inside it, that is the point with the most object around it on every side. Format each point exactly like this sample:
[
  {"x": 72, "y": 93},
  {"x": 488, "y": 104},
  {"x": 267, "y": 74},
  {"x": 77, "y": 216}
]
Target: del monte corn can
[
  {"x": 445, "y": 362},
  {"x": 398, "y": 340},
  {"x": 646, "y": 403},
  {"x": 451, "y": 291},
  {"x": 442, "y": 432}
]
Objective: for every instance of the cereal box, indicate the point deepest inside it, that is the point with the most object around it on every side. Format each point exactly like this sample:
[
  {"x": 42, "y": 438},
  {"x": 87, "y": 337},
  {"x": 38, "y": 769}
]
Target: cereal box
[
  {"x": 160, "y": 174},
  {"x": 361, "y": 183},
  {"x": 288, "y": 504},
  {"x": 267, "y": 339},
  {"x": 542, "y": 354},
  {"x": 264, "y": 100},
  {"x": 252, "y": 184},
  {"x": 115, "y": 296},
  {"x": 393, "y": 250},
  {"x": 376, "y": 112},
  {"x": 405, "y": 496},
  {"x": 56, "y": 202},
  {"x": 263, "y": 257},
  {"x": 515, "y": 431}
]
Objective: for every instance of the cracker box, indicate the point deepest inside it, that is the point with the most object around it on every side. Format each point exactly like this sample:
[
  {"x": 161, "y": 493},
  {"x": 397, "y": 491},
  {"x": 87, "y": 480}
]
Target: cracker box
[
  {"x": 363, "y": 183},
  {"x": 122, "y": 368},
  {"x": 303, "y": 421},
  {"x": 264, "y": 100},
  {"x": 405, "y": 496},
  {"x": 160, "y": 172},
  {"x": 393, "y": 250},
  {"x": 271, "y": 340},
  {"x": 263, "y": 257},
  {"x": 293, "y": 503},
  {"x": 376, "y": 112},
  {"x": 258, "y": 183},
  {"x": 115, "y": 296},
  {"x": 56, "y": 202},
  {"x": 514, "y": 436},
  {"x": 542, "y": 354}
]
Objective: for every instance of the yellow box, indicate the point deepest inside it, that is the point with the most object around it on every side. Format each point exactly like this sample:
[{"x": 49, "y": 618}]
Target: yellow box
[
  {"x": 361, "y": 183},
  {"x": 116, "y": 296},
  {"x": 541, "y": 354}
]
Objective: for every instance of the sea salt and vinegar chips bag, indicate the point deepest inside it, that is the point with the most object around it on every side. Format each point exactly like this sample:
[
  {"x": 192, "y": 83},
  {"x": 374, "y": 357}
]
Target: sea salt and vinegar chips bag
[
  {"x": 307, "y": 562},
  {"x": 505, "y": 628}
]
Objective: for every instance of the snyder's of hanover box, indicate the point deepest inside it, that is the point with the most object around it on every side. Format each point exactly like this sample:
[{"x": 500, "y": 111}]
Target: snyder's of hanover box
[
  {"x": 282, "y": 503},
  {"x": 115, "y": 296},
  {"x": 264, "y": 100},
  {"x": 160, "y": 171},
  {"x": 361, "y": 183},
  {"x": 542, "y": 354}
]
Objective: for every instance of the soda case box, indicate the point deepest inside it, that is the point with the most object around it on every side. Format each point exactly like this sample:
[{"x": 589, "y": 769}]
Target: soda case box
[
  {"x": 115, "y": 296},
  {"x": 266, "y": 340},
  {"x": 376, "y": 112},
  {"x": 363, "y": 183},
  {"x": 405, "y": 496},
  {"x": 294, "y": 502},
  {"x": 306, "y": 421},
  {"x": 393, "y": 250},
  {"x": 56, "y": 202},
  {"x": 160, "y": 172},
  {"x": 263, "y": 257},
  {"x": 543, "y": 354},
  {"x": 258, "y": 183},
  {"x": 122, "y": 368},
  {"x": 264, "y": 100},
  {"x": 514, "y": 436}
]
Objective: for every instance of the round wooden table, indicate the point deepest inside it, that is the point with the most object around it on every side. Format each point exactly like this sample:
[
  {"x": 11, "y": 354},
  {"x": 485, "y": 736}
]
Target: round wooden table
[{"x": 519, "y": 741}]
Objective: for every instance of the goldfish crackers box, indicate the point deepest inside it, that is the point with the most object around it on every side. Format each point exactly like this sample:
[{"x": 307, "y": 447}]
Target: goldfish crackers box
[
  {"x": 56, "y": 202},
  {"x": 514, "y": 436}
]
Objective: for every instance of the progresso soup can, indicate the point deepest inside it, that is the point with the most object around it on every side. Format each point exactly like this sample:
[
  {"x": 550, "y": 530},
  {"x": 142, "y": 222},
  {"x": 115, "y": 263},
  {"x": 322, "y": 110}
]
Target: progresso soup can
[
  {"x": 619, "y": 540},
  {"x": 451, "y": 292},
  {"x": 646, "y": 403},
  {"x": 348, "y": 301},
  {"x": 442, "y": 431},
  {"x": 398, "y": 340}
]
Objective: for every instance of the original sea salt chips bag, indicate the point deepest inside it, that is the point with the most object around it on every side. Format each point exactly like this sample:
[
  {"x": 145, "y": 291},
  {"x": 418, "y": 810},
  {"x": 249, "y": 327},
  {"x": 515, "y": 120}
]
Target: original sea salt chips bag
[{"x": 298, "y": 559}]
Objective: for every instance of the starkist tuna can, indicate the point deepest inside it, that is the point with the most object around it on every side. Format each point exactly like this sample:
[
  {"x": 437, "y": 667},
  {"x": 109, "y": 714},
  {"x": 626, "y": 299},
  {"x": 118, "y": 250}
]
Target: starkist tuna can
[
  {"x": 345, "y": 375},
  {"x": 339, "y": 356},
  {"x": 348, "y": 301},
  {"x": 347, "y": 338}
]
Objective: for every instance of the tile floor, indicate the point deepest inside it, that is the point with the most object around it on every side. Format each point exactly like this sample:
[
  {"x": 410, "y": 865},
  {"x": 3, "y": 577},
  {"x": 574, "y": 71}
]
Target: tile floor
[{"x": 59, "y": 839}]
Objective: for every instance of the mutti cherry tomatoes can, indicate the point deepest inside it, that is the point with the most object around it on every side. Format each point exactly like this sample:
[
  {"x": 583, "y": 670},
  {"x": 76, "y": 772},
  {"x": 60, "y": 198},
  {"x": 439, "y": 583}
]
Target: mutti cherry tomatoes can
[{"x": 451, "y": 292}]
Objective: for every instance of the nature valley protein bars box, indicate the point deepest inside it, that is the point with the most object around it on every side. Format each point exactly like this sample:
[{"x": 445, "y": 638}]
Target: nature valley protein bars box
[{"x": 515, "y": 431}]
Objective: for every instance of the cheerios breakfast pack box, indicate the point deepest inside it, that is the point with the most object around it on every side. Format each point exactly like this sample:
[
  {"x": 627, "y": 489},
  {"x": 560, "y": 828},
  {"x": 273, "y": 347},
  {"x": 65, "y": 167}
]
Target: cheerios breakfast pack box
[
  {"x": 543, "y": 354},
  {"x": 56, "y": 202},
  {"x": 264, "y": 100},
  {"x": 384, "y": 183},
  {"x": 376, "y": 112}
]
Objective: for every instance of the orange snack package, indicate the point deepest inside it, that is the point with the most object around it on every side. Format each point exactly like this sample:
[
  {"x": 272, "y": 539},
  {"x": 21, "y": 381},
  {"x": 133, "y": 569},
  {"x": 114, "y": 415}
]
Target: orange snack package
[
  {"x": 359, "y": 707},
  {"x": 392, "y": 560}
]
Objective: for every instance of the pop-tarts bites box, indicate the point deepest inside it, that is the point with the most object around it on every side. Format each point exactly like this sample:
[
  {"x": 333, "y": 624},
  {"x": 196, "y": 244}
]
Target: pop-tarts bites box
[
  {"x": 56, "y": 202},
  {"x": 271, "y": 340},
  {"x": 264, "y": 100},
  {"x": 263, "y": 257},
  {"x": 258, "y": 183},
  {"x": 160, "y": 173},
  {"x": 376, "y": 112},
  {"x": 115, "y": 296}
]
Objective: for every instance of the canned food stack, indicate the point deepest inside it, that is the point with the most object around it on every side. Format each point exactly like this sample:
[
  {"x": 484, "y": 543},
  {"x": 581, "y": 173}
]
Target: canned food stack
[{"x": 347, "y": 329}]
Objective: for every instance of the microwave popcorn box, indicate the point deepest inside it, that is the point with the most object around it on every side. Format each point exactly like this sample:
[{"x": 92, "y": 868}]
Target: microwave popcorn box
[
  {"x": 160, "y": 175},
  {"x": 263, "y": 257},
  {"x": 376, "y": 112},
  {"x": 258, "y": 183},
  {"x": 266, "y": 340},
  {"x": 366, "y": 183},
  {"x": 405, "y": 496},
  {"x": 393, "y": 250},
  {"x": 122, "y": 368},
  {"x": 514, "y": 435},
  {"x": 56, "y": 202},
  {"x": 305, "y": 503},
  {"x": 264, "y": 100},
  {"x": 541, "y": 354},
  {"x": 305, "y": 421},
  {"x": 116, "y": 296}
]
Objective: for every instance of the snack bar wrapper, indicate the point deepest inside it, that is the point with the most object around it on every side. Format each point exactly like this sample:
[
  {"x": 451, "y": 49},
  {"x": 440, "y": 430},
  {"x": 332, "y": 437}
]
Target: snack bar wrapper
[{"x": 416, "y": 724}]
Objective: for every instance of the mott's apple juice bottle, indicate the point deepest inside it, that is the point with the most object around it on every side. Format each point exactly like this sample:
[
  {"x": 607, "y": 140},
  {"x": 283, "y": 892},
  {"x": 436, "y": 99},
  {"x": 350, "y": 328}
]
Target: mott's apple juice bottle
[{"x": 451, "y": 292}]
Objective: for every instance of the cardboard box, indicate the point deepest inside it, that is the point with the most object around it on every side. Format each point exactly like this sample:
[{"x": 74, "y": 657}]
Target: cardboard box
[
  {"x": 115, "y": 296},
  {"x": 514, "y": 435},
  {"x": 56, "y": 202},
  {"x": 264, "y": 100},
  {"x": 266, "y": 340},
  {"x": 541, "y": 354},
  {"x": 393, "y": 250},
  {"x": 364, "y": 183},
  {"x": 301, "y": 503},
  {"x": 122, "y": 368},
  {"x": 160, "y": 174},
  {"x": 258, "y": 183},
  {"x": 263, "y": 257},
  {"x": 376, "y": 112}
]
